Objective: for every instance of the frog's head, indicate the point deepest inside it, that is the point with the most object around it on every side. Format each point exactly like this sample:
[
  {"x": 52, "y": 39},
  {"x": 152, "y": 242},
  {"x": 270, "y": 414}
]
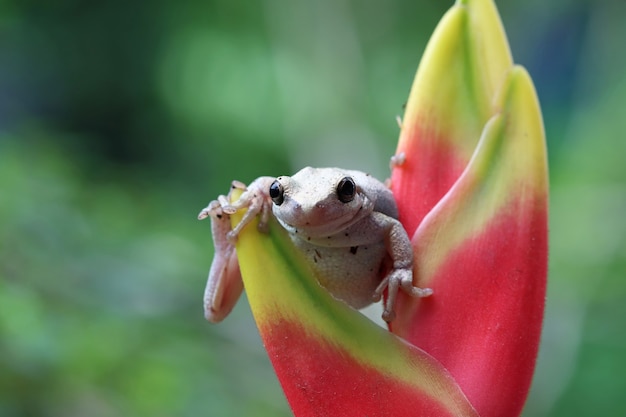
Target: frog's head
[{"x": 319, "y": 201}]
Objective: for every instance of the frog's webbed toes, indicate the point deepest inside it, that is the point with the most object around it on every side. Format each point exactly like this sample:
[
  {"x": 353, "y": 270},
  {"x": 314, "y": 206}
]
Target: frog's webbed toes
[
  {"x": 204, "y": 213},
  {"x": 214, "y": 210},
  {"x": 263, "y": 227},
  {"x": 389, "y": 315},
  {"x": 228, "y": 209},
  {"x": 232, "y": 237},
  {"x": 237, "y": 185},
  {"x": 398, "y": 279},
  {"x": 394, "y": 162},
  {"x": 397, "y": 160},
  {"x": 253, "y": 199},
  {"x": 417, "y": 291}
]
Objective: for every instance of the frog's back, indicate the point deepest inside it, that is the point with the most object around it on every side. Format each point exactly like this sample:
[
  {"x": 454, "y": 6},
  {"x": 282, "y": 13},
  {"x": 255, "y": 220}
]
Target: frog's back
[{"x": 375, "y": 189}]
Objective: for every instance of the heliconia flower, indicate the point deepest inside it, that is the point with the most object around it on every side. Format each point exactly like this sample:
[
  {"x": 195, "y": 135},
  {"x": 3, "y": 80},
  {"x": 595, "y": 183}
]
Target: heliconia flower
[
  {"x": 472, "y": 192},
  {"x": 480, "y": 218}
]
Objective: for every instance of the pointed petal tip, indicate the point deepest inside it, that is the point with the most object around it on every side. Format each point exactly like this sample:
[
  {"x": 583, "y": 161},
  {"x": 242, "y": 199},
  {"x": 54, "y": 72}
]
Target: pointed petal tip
[{"x": 488, "y": 237}]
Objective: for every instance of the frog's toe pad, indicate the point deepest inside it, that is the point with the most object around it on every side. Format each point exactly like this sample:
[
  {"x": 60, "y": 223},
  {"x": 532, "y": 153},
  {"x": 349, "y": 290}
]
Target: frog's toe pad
[{"x": 417, "y": 291}]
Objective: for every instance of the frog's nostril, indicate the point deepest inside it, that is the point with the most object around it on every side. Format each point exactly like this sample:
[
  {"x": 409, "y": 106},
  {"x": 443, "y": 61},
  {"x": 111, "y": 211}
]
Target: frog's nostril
[{"x": 293, "y": 213}]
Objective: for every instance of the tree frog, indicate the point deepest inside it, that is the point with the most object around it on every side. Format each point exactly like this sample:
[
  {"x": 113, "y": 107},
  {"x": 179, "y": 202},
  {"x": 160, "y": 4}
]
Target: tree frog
[{"x": 344, "y": 221}]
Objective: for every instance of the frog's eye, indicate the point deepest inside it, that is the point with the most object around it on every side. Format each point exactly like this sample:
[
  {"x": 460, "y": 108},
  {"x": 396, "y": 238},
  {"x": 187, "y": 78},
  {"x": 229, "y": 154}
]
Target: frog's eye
[
  {"x": 346, "y": 189},
  {"x": 277, "y": 193}
]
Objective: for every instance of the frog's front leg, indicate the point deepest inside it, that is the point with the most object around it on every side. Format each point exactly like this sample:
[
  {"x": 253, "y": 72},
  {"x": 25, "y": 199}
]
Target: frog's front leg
[
  {"x": 401, "y": 275},
  {"x": 256, "y": 200}
]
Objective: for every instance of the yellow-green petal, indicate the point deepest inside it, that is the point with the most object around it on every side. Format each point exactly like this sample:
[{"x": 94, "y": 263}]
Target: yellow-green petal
[
  {"x": 330, "y": 359},
  {"x": 451, "y": 99}
]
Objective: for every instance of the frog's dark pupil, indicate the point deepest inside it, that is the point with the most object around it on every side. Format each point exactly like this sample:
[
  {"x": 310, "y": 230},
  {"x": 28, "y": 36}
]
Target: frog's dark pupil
[
  {"x": 276, "y": 193},
  {"x": 346, "y": 189}
]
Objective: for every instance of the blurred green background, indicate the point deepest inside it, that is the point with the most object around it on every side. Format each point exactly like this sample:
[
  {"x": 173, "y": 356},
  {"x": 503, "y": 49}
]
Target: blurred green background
[{"x": 120, "y": 120}]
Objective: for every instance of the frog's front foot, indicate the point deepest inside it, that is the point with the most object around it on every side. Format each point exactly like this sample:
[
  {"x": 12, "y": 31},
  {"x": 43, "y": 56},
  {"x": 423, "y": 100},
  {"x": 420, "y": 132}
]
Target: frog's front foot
[
  {"x": 220, "y": 207},
  {"x": 401, "y": 278},
  {"x": 218, "y": 214},
  {"x": 214, "y": 209},
  {"x": 254, "y": 199},
  {"x": 394, "y": 162},
  {"x": 397, "y": 160}
]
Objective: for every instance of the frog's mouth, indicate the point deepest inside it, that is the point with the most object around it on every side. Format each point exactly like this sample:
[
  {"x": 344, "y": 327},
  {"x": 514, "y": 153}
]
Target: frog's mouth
[
  {"x": 322, "y": 223},
  {"x": 323, "y": 219}
]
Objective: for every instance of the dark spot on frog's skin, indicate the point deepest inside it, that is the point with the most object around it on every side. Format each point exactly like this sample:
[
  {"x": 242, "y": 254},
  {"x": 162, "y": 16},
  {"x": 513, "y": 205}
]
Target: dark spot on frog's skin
[
  {"x": 346, "y": 234},
  {"x": 353, "y": 249},
  {"x": 308, "y": 238},
  {"x": 317, "y": 256}
]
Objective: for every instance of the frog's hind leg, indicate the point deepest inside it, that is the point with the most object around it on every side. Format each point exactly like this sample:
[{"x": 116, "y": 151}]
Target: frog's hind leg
[{"x": 224, "y": 284}]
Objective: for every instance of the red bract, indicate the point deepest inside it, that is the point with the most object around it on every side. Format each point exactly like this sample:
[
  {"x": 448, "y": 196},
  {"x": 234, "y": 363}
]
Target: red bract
[
  {"x": 481, "y": 243},
  {"x": 483, "y": 250},
  {"x": 330, "y": 359}
]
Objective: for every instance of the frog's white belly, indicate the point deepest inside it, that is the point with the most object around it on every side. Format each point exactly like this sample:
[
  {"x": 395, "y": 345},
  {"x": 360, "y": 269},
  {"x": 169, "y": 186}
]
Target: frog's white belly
[{"x": 349, "y": 273}]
